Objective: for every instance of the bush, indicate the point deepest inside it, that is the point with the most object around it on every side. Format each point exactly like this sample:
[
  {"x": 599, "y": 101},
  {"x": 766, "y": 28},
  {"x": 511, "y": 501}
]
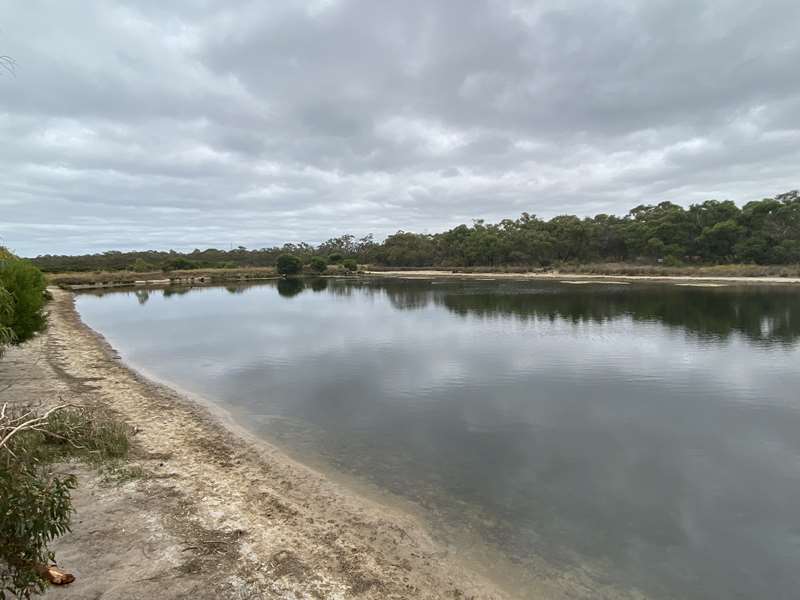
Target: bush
[
  {"x": 334, "y": 258},
  {"x": 288, "y": 264},
  {"x": 6, "y": 314},
  {"x": 318, "y": 264},
  {"x": 36, "y": 508},
  {"x": 350, "y": 265},
  {"x": 22, "y": 300},
  {"x": 35, "y": 503}
]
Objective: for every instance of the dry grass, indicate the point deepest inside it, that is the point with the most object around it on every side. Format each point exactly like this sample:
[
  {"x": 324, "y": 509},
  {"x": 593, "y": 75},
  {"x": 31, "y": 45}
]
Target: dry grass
[
  {"x": 250, "y": 273},
  {"x": 130, "y": 277},
  {"x": 695, "y": 271}
]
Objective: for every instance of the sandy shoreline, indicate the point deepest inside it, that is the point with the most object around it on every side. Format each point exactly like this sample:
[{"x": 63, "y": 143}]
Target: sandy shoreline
[
  {"x": 217, "y": 514},
  {"x": 555, "y": 276}
]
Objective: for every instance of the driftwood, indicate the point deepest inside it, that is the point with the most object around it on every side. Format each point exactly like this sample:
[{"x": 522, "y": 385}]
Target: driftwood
[{"x": 55, "y": 575}]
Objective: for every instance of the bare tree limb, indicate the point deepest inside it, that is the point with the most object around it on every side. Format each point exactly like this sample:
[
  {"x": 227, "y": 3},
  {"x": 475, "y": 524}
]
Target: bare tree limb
[{"x": 29, "y": 424}]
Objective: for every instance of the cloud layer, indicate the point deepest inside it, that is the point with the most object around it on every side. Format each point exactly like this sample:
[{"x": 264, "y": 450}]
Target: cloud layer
[{"x": 139, "y": 125}]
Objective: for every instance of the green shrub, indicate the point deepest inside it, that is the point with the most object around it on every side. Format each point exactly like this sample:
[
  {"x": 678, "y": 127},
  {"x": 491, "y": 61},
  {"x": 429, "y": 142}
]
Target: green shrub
[
  {"x": 334, "y": 258},
  {"x": 288, "y": 264},
  {"x": 35, "y": 504},
  {"x": 350, "y": 265},
  {"x": 23, "y": 298},
  {"x": 35, "y": 508},
  {"x": 318, "y": 264},
  {"x": 6, "y": 313},
  {"x": 99, "y": 436}
]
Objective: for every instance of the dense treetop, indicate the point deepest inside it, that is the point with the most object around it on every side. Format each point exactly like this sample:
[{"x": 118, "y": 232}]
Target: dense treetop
[{"x": 714, "y": 232}]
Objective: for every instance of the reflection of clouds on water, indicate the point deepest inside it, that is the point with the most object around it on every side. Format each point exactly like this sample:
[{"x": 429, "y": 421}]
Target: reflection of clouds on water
[
  {"x": 652, "y": 428},
  {"x": 760, "y": 313}
]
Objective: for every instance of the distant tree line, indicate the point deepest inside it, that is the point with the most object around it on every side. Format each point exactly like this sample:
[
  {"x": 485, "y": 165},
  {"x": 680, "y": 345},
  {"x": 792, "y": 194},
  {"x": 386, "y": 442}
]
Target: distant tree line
[{"x": 713, "y": 232}]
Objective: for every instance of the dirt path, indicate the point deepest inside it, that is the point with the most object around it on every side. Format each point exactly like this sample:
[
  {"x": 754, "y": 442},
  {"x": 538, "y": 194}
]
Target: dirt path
[
  {"x": 698, "y": 280},
  {"x": 202, "y": 512}
]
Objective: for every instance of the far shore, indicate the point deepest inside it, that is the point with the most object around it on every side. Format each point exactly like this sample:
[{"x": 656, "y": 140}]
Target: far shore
[
  {"x": 575, "y": 277},
  {"x": 689, "y": 275}
]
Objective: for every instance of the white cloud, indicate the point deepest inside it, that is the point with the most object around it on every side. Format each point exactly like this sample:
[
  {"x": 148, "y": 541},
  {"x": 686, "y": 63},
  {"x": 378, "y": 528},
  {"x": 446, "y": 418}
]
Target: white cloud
[{"x": 144, "y": 124}]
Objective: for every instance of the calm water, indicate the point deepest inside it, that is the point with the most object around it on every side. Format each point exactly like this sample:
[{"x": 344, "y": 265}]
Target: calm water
[{"x": 648, "y": 435}]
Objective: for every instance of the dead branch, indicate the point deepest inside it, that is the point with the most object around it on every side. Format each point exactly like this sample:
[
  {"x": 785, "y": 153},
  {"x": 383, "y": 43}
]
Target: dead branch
[{"x": 33, "y": 423}]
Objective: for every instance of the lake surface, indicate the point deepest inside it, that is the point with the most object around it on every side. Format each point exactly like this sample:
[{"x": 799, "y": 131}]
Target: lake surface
[{"x": 636, "y": 437}]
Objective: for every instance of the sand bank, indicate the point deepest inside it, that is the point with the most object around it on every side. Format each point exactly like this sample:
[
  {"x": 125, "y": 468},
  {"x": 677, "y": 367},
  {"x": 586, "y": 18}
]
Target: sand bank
[{"x": 563, "y": 277}]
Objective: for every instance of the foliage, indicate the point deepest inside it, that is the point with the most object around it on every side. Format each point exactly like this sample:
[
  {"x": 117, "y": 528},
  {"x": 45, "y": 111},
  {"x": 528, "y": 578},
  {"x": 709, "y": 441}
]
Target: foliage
[
  {"x": 22, "y": 298},
  {"x": 178, "y": 264},
  {"x": 713, "y": 232},
  {"x": 35, "y": 509},
  {"x": 288, "y": 264},
  {"x": 318, "y": 264},
  {"x": 350, "y": 265},
  {"x": 142, "y": 266},
  {"x": 6, "y": 314},
  {"x": 35, "y": 505}
]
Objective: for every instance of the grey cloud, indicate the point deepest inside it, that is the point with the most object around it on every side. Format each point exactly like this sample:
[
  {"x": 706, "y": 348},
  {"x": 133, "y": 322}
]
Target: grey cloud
[{"x": 184, "y": 124}]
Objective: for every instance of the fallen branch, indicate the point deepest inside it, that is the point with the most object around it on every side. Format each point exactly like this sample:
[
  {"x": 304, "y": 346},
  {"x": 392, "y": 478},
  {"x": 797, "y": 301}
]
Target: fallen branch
[{"x": 29, "y": 424}]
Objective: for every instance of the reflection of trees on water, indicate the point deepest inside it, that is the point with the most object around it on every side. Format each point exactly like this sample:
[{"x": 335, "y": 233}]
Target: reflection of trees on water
[
  {"x": 176, "y": 291},
  {"x": 319, "y": 284},
  {"x": 343, "y": 290},
  {"x": 760, "y": 315},
  {"x": 290, "y": 287}
]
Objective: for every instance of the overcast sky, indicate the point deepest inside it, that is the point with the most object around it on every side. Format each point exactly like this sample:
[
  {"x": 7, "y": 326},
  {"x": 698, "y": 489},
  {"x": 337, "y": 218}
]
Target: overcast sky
[{"x": 140, "y": 125}]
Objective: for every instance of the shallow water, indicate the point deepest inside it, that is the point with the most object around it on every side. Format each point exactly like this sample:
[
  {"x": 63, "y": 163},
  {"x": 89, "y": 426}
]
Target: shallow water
[{"x": 648, "y": 434}]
